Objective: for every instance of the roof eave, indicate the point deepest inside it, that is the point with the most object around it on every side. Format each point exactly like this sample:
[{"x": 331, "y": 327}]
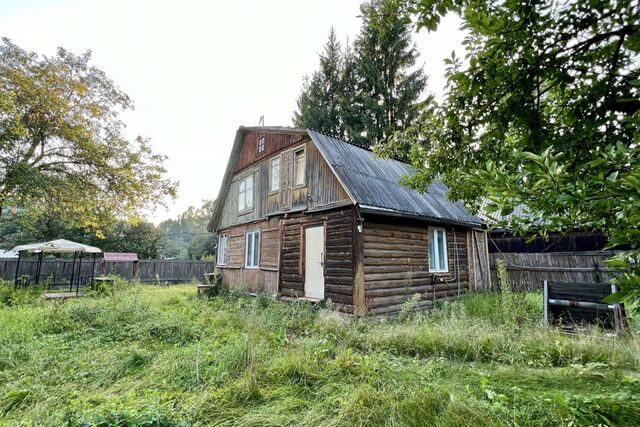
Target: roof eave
[{"x": 399, "y": 214}]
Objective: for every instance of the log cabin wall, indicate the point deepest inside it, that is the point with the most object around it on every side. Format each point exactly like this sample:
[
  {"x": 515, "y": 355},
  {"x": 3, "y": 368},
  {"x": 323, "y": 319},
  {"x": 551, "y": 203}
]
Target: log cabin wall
[
  {"x": 338, "y": 266},
  {"x": 396, "y": 265},
  {"x": 262, "y": 279}
]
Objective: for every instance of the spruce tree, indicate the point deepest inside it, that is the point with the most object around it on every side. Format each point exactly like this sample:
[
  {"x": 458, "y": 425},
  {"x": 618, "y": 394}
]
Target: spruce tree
[
  {"x": 320, "y": 103},
  {"x": 388, "y": 84}
]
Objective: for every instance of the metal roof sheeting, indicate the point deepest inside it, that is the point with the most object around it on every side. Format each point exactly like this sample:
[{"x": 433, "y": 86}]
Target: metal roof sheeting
[{"x": 375, "y": 183}]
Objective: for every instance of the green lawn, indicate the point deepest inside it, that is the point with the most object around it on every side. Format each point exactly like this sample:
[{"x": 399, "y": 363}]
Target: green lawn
[{"x": 159, "y": 356}]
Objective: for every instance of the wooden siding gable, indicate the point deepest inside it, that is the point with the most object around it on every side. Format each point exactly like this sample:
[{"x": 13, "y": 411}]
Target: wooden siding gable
[{"x": 321, "y": 189}]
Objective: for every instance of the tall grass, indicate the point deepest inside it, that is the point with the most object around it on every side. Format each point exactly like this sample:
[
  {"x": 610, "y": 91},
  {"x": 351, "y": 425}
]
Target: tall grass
[{"x": 148, "y": 356}]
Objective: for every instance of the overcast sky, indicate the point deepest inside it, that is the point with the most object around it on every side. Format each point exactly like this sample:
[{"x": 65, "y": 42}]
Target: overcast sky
[{"x": 197, "y": 70}]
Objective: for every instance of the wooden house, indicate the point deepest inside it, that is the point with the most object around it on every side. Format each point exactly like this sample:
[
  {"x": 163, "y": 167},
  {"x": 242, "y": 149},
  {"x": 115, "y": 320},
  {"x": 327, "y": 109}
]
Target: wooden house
[{"x": 304, "y": 215}]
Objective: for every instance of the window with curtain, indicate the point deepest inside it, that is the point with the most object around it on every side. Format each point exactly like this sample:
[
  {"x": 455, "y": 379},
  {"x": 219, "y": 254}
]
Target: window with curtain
[
  {"x": 275, "y": 174},
  {"x": 438, "y": 250},
  {"x": 252, "y": 249},
  {"x": 299, "y": 167},
  {"x": 222, "y": 246}
]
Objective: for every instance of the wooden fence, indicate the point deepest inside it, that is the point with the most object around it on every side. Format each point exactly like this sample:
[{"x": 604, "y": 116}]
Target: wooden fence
[
  {"x": 529, "y": 270},
  {"x": 148, "y": 271}
]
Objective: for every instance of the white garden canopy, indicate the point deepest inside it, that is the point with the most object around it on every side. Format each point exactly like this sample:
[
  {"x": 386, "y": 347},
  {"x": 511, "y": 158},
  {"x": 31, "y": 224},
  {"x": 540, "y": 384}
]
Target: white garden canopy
[{"x": 59, "y": 246}]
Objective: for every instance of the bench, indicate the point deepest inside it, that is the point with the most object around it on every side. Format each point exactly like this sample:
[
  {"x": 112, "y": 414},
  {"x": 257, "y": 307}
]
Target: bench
[{"x": 202, "y": 289}]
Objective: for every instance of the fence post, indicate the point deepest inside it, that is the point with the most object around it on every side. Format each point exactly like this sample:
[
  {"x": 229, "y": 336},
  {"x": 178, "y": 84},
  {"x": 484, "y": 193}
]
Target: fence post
[
  {"x": 596, "y": 269},
  {"x": 545, "y": 286}
]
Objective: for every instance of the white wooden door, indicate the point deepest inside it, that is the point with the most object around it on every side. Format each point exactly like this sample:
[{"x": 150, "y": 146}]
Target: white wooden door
[{"x": 314, "y": 262}]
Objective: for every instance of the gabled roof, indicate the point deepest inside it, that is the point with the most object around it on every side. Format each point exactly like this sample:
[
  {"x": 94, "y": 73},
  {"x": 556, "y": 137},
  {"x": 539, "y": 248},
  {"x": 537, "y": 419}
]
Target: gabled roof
[
  {"x": 374, "y": 183},
  {"x": 371, "y": 182}
]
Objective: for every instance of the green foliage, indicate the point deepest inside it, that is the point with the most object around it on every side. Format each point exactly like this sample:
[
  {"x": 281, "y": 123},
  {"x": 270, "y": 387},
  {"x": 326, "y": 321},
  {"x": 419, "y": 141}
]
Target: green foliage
[
  {"x": 13, "y": 294},
  {"x": 62, "y": 148},
  {"x": 321, "y": 103},
  {"x": 367, "y": 91},
  {"x": 514, "y": 304},
  {"x": 146, "y": 355},
  {"x": 186, "y": 235},
  {"x": 139, "y": 237},
  {"x": 388, "y": 83},
  {"x": 544, "y": 113}
]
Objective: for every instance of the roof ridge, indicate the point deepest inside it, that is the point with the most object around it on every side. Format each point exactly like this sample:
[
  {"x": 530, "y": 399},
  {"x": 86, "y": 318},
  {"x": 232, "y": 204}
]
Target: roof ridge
[{"x": 356, "y": 144}]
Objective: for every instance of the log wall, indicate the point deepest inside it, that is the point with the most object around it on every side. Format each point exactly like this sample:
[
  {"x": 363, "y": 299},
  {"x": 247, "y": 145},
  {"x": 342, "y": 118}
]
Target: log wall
[
  {"x": 338, "y": 266},
  {"x": 396, "y": 266}
]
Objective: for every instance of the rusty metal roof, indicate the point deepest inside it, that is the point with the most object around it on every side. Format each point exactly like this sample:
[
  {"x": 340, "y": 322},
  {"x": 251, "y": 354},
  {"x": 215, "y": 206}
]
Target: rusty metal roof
[
  {"x": 374, "y": 183},
  {"x": 120, "y": 256}
]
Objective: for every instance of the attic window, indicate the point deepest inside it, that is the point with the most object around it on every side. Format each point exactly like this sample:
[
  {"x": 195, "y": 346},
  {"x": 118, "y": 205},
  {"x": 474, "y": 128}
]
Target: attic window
[{"x": 261, "y": 145}]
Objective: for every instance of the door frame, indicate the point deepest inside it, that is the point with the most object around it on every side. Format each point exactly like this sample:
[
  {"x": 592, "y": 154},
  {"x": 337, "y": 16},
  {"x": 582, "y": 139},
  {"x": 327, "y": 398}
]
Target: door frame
[{"x": 303, "y": 253}]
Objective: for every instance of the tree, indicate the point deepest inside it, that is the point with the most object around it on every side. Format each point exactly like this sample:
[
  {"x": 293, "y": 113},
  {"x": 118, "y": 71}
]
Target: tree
[
  {"x": 320, "y": 103},
  {"x": 62, "y": 147},
  {"x": 181, "y": 231},
  {"x": 388, "y": 83},
  {"x": 202, "y": 246},
  {"x": 367, "y": 92},
  {"x": 544, "y": 114},
  {"x": 143, "y": 238}
]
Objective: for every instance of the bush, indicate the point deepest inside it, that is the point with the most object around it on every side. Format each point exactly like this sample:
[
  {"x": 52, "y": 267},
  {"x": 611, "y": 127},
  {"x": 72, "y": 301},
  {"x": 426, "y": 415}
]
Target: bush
[{"x": 12, "y": 294}]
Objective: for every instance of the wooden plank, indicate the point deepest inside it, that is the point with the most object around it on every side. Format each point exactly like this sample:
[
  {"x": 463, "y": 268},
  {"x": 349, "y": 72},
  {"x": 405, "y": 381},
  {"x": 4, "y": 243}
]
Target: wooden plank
[{"x": 359, "y": 293}]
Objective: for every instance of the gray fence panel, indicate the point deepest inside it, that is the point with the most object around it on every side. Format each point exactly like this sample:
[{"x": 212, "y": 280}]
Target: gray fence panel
[{"x": 60, "y": 270}]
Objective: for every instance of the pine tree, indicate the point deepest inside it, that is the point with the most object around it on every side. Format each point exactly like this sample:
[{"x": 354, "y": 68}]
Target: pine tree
[
  {"x": 320, "y": 103},
  {"x": 388, "y": 83}
]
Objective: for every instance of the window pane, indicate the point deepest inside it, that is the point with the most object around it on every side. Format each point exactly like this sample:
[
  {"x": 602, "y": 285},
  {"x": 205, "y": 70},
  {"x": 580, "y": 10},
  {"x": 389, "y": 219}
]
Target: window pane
[
  {"x": 241, "y": 201},
  {"x": 221, "y": 248},
  {"x": 441, "y": 250},
  {"x": 275, "y": 174},
  {"x": 249, "y": 193},
  {"x": 432, "y": 254},
  {"x": 299, "y": 167},
  {"x": 249, "y": 254},
  {"x": 256, "y": 249}
]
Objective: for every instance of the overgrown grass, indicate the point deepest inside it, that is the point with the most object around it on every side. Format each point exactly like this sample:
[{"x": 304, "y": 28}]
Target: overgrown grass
[{"x": 158, "y": 356}]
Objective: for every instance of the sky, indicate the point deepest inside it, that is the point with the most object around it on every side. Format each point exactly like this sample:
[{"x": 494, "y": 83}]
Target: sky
[{"x": 197, "y": 70}]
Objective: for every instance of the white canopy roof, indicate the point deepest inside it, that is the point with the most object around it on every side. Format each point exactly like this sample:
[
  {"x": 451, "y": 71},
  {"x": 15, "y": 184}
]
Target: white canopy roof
[
  {"x": 8, "y": 254},
  {"x": 60, "y": 246}
]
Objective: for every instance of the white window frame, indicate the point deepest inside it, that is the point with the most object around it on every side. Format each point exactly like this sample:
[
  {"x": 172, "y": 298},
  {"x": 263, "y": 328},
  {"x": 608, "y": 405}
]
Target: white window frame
[
  {"x": 254, "y": 262},
  {"x": 433, "y": 240},
  {"x": 243, "y": 206},
  {"x": 304, "y": 168},
  {"x": 221, "y": 249},
  {"x": 261, "y": 145},
  {"x": 274, "y": 184}
]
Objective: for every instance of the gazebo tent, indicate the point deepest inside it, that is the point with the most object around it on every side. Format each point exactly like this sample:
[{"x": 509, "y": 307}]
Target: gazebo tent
[{"x": 59, "y": 246}]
